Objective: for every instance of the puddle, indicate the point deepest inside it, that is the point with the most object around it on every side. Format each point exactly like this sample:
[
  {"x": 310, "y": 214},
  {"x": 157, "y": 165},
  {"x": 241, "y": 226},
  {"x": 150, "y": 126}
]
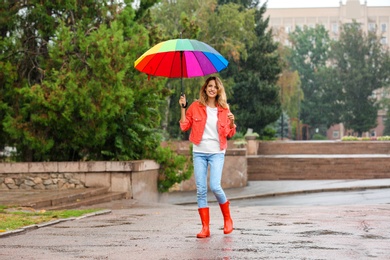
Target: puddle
[
  {"x": 323, "y": 233},
  {"x": 272, "y": 224},
  {"x": 371, "y": 236}
]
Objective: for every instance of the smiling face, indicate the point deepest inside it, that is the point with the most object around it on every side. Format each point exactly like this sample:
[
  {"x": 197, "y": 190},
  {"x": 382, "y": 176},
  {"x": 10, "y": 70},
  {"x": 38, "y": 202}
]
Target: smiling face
[{"x": 211, "y": 89}]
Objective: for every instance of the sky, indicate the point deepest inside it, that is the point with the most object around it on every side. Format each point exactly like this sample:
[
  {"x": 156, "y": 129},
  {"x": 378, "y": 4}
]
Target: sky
[{"x": 318, "y": 3}]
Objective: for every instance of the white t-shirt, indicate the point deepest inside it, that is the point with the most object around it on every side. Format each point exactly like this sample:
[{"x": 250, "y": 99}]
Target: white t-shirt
[{"x": 210, "y": 138}]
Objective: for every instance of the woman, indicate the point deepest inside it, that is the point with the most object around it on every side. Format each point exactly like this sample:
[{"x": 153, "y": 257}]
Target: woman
[{"x": 211, "y": 122}]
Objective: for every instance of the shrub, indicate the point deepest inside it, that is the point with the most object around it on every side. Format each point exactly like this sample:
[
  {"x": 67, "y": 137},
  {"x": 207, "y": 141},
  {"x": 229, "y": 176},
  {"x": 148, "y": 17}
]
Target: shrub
[
  {"x": 238, "y": 136},
  {"x": 268, "y": 134},
  {"x": 319, "y": 137},
  {"x": 354, "y": 138},
  {"x": 349, "y": 138},
  {"x": 174, "y": 168}
]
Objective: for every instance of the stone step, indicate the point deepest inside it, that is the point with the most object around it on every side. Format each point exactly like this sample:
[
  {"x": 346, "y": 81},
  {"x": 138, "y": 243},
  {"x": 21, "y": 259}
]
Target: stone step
[
  {"x": 65, "y": 197},
  {"x": 318, "y": 167},
  {"x": 101, "y": 198},
  {"x": 76, "y": 197}
]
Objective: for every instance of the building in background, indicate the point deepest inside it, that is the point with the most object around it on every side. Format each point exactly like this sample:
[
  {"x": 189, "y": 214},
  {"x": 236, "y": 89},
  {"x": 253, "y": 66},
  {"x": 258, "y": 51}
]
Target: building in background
[{"x": 285, "y": 20}]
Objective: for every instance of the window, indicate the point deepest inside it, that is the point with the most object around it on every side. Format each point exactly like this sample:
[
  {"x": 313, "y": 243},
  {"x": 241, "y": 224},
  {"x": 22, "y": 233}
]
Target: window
[
  {"x": 335, "y": 28},
  {"x": 336, "y": 134},
  {"x": 287, "y": 28},
  {"x": 384, "y": 40},
  {"x": 371, "y": 27},
  {"x": 384, "y": 27}
]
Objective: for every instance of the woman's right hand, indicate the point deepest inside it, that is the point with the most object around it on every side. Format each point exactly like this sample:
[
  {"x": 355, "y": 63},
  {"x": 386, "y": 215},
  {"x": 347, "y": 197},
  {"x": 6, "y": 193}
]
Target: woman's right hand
[{"x": 183, "y": 101}]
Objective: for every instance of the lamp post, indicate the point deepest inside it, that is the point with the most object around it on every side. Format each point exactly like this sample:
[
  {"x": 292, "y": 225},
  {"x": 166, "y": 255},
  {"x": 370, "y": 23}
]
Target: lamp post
[
  {"x": 282, "y": 121},
  {"x": 299, "y": 115}
]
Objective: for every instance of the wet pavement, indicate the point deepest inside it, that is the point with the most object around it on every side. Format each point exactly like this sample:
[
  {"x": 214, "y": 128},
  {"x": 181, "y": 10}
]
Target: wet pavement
[
  {"x": 265, "y": 189},
  {"x": 138, "y": 230}
]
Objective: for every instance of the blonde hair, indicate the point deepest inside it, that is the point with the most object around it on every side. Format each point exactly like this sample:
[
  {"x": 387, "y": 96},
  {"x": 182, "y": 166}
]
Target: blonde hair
[{"x": 221, "y": 94}]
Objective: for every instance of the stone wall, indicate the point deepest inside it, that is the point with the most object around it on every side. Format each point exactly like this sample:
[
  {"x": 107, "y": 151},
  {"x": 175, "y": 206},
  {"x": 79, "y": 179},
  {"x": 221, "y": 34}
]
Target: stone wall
[
  {"x": 41, "y": 181},
  {"x": 137, "y": 178},
  {"x": 322, "y": 147},
  {"x": 319, "y": 160},
  {"x": 234, "y": 171}
]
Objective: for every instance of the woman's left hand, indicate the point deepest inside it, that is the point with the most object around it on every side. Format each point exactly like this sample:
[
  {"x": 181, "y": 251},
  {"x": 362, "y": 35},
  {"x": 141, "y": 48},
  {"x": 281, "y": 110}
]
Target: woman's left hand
[{"x": 231, "y": 117}]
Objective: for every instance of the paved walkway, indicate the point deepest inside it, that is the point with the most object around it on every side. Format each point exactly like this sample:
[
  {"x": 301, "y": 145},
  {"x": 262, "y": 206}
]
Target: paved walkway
[
  {"x": 258, "y": 189},
  {"x": 138, "y": 230},
  {"x": 255, "y": 189}
]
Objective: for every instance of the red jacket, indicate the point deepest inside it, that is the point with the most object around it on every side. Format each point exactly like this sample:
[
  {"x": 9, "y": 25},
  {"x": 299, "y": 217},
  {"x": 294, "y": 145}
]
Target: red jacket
[{"x": 196, "y": 117}]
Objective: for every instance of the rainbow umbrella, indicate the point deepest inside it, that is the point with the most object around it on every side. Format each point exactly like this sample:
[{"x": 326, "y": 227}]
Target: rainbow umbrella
[{"x": 181, "y": 58}]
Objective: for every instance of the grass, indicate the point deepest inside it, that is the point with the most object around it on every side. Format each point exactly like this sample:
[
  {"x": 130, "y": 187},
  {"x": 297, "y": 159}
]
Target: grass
[{"x": 12, "y": 218}]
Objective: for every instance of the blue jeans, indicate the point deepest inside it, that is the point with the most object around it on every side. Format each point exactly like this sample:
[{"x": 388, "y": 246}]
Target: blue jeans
[{"x": 201, "y": 163}]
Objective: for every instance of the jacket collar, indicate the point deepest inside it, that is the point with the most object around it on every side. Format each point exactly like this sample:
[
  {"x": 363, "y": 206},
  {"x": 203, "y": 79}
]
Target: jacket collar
[{"x": 220, "y": 109}]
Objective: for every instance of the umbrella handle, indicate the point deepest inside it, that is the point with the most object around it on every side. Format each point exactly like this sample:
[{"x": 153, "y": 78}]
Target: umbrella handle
[{"x": 184, "y": 106}]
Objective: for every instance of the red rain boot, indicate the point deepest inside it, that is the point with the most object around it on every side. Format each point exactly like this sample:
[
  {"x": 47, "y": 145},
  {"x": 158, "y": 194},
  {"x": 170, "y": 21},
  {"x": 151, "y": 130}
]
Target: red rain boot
[
  {"x": 228, "y": 222},
  {"x": 205, "y": 218}
]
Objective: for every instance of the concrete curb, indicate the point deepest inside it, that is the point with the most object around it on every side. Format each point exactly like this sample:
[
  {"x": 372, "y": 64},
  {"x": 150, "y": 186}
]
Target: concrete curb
[
  {"x": 312, "y": 191},
  {"x": 50, "y": 223},
  {"x": 267, "y": 195}
]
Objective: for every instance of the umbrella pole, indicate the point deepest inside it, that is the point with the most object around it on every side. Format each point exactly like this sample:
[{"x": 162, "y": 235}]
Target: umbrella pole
[
  {"x": 181, "y": 71},
  {"x": 181, "y": 86},
  {"x": 181, "y": 79},
  {"x": 181, "y": 67}
]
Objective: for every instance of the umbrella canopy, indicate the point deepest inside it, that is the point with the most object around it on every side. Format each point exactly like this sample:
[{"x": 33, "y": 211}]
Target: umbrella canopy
[{"x": 181, "y": 58}]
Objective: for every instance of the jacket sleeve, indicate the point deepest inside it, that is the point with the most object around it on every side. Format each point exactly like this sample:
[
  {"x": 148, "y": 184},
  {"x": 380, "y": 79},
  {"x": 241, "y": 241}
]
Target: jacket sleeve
[
  {"x": 227, "y": 131},
  {"x": 232, "y": 130},
  {"x": 187, "y": 124}
]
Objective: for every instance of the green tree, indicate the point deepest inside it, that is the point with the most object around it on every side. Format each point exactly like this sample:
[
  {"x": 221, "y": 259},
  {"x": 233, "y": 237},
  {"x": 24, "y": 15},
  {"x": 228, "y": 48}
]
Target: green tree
[
  {"x": 361, "y": 66},
  {"x": 309, "y": 54},
  {"x": 289, "y": 83},
  {"x": 385, "y": 105},
  {"x": 179, "y": 19},
  {"x": 386, "y": 131},
  {"x": 256, "y": 100},
  {"x": 71, "y": 92},
  {"x": 245, "y": 3},
  {"x": 226, "y": 28},
  {"x": 290, "y": 92},
  {"x": 330, "y": 106}
]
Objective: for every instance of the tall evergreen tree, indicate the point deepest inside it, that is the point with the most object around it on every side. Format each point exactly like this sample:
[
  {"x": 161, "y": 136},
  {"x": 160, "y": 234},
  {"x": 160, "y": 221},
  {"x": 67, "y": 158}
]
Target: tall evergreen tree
[{"x": 256, "y": 100}]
